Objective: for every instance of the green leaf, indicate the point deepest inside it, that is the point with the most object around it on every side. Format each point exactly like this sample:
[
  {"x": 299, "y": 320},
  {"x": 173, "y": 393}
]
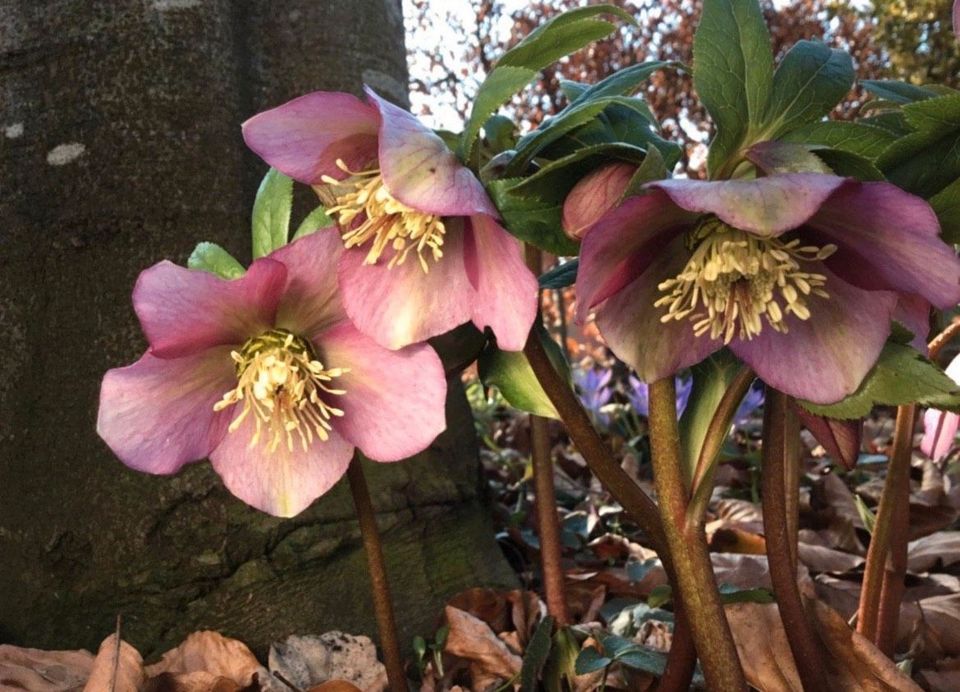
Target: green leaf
[
  {"x": 571, "y": 89},
  {"x": 928, "y": 159},
  {"x": 315, "y": 220},
  {"x": 271, "y": 213},
  {"x": 591, "y": 660},
  {"x": 901, "y": 376},
  {"x": 946, "y": 204},
  {"x": 864, "y": 140},
  {"x": 733, "y": 73},
  {"x": 897, "y": 92},
  {"x": 732, "y": 594},
  {"x": 499, "y": 133},
  {"x": 652, "y": 168},
  {"x": 659, "y": 595},
  {"x": 562, "y": 662},
  {"x": 561, "y": 276},
  {"x": 642, "y": 658},
  {"x": 868, "y": 518},
  {"x": 535, "y": 655},
  {"x": 850, "y": 165},
  {"x": 212, "y": 258},
  {"x": 562, "y": 35},
  {"x": 810, "y": 80},
  {"x": 624, "y": 82}
]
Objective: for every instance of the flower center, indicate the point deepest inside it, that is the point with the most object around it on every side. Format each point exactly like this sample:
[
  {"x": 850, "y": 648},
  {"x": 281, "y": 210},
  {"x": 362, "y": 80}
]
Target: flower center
[
  {"x": 372, "y": 216},
  {"x": 734, "y": 278},
  {"x": 281, "y": 383}
]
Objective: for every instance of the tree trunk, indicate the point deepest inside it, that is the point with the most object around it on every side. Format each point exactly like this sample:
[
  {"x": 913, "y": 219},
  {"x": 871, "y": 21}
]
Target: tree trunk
[{"x": 119, "y": 146}]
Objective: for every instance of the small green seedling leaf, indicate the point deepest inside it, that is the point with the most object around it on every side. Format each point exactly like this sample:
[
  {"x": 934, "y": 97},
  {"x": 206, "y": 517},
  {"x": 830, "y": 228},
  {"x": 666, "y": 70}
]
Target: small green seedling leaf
[
  {"x": 212, "y": 258},
  {"x": 271, "y": 213},
  {"x": 315, "y": 220}
]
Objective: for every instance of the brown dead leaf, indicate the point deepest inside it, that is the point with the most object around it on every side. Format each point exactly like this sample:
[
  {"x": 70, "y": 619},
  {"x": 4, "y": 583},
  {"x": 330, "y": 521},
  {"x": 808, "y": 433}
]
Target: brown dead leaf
[
  {"x": 470, "y": 638},
  {"x": 526, "y": 611},
  {"x": 762, "y": 643},
  {"x": 489, "y": 605},
  {"x": 735, "y": 540},
  {"x": 197, "y": 681},
  {"x": 117, "y": 667},
  {"x": 335, "y": 686},
  {"x": 944, "y": 678},
  {"x": 212, "y": 653},
  {"x": 942, "y": 548},
  {"x": 43, "y": 671},
  {"x": 818, "y": 559}
]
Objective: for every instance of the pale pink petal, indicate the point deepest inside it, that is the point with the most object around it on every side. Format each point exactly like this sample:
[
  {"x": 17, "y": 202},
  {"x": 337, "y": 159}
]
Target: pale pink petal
[
  {"x": 420, "y": 171},
  {"x": 183, "y": 311},
  {"x": 913, "y": 312},
  {"x": 623, "y": 243},
  {"x": 594, "y": 195},
  {"x": 304, "y": 137},
  {"x": 825, "y": 358},
  {"x": 311, "y": 300},
  {"x": 939, "y": 433},
  {"x": 766, "y": 206},
  {"x": 506, "y": 290},
  {"x": 889, "y": 239},
  {"x": 405, "y": 305},
  {"x": 956, "y": 17},
  {"x": 630, "y": 324},
  {"x": 394, "y": 403},
  {"x": 157, "y": 414},
  {"x": 282, "y": 482}
]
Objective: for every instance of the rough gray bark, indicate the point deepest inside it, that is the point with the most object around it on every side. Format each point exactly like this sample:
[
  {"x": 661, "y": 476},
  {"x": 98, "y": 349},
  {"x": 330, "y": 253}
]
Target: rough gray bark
[{"x": 119, "y": 146}]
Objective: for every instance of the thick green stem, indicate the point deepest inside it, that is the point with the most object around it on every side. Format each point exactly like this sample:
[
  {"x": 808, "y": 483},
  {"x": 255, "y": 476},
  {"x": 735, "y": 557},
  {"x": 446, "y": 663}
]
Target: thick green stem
[
  {"x": 780, "y": 458},
  {"x": 694, "y": 578},
  {"x": 380, "y": 587}
]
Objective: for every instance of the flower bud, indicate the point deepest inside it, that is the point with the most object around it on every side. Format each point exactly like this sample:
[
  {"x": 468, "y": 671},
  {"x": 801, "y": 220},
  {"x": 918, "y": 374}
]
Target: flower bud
[{"x": 593, "y": 196}]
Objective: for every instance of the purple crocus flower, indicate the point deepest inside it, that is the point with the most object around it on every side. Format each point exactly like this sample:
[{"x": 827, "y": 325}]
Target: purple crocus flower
[
  {"x": 940, "y": 427},
  {"x": 425, "y": 252},
  {"x": 798, "y": 274},
  {"x": 752, "y": 400},
  {"x": 593, "y": 386},
  {"x": 267, "y": 377},
  {"x": 638, "y": 394}
]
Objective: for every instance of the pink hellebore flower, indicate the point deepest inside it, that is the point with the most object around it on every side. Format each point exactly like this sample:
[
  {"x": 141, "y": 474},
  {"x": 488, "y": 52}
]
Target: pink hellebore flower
[
  {"x": 799, "y": 274},
  {"x": 940, "y": 427},
  {"x": 267, "y": 377},
  {"x": 594, "y": 195},
  {"x": 424, "y": 250}
]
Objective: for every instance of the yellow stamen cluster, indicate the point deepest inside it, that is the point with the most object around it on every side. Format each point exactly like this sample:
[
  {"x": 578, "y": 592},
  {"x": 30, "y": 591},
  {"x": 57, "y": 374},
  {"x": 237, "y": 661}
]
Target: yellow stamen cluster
[
  {"x": 734, "y": 279},
  {"x": 281, "y": 383},
  {"x": 368, "y": 213}
]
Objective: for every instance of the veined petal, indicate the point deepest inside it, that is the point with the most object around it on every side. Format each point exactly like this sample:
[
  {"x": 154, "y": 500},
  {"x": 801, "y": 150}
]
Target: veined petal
[
  {"x": 623, "y": 243},
  {"x": 630, "y": 324},
  {"x": 393, "y": 405},
  {"x": 506, "y": 290},
  {"x": 311, "y": 299},
  {"x": 404, "y": 305},
  {"x": 913, "y": 312},
  {"x": 766, "y": 206},
  {"x": 889, "y": 239},
  {"x": 282, "y": 482},
  {"x": 157, "y": 414},
  {"x": 420, "y": 171},
  {"x": 824, "y": 358},
  {"x": 304, "y": 137},
  {"x": 598, "y": 192},
  {"x": 183, "y": 311}
]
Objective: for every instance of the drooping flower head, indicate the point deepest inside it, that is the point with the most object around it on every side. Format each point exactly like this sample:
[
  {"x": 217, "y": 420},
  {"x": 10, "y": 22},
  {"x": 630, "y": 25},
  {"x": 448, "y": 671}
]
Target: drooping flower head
[
  {"x": 424, "y": 250},
  {"x": 798, "y": 274},
  {"x": 267, "y": 377}
]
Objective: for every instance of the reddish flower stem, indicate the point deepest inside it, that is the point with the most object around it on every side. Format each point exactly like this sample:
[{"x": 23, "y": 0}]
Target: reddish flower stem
[
  {"x": 780, "y": 459},
  {"x": 380, "y": 587},
  {"x": 694, "y": 578}
]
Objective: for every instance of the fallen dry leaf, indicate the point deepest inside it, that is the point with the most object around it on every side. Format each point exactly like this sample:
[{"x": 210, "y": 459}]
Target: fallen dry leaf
[
  {"x": 310, "y": 660},
  {"x": 43, "y": 671},
  {"x": 197, "y": 681},
  {"x": 335, "y": 686},
  {"x": 819, "y": 558},
  {"x": 941, "y": 548},
  {"x": 118, "y": 667},
  {"x": 470, "y": 638},
  {"x": 211, "y": 653},
  {"x": 489, "y": 605}
]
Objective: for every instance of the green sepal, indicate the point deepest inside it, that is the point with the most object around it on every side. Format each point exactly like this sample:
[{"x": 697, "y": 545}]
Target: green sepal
[
  {"x": 271, "y": 213},
  {"x": 314, "y": 221},
  {"x": 210, "y": 257},
  {"x": 900, "y": 376}
]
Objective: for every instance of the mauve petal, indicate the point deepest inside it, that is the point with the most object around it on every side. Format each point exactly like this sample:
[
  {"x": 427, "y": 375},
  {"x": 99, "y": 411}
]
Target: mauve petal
[
  {"x": 630, "y": 324},
  {"x": 283, "y": 482},
  {"x": 506, "y": 290},
  {"x": 420, "y": 171},
  {"x": 889, "y": 239},
  {"x": 623, "y": 243},
  {"x": 157, "y": 414},
  {"x": 594, "y": 195},
  {"x": 913, "y": 312},
  {"x": 766, "y": 206},
  {"x": 304, "y": 137},
  {"x": 404, "y": 305},
  {"x": 939, "y": 433},
  {"x": 183, "y": 311},
  {"x": 840, "y": 438},
  {"x": 393, "y": 407},
  {"x": 311, "y": 300},
  {"x": 825, "y": 358},
  {"x": 956, "y": 17}
]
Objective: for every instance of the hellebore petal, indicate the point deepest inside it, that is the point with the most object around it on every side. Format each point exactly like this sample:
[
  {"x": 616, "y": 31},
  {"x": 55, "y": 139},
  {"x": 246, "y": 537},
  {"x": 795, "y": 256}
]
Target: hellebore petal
[
  {"x": 889, "y": 239},
  {"x": 956, "y": 17},
  {"x": 420, "y": 171},
  {"x": 506, "y": 290},
  {"x": 824, "y": 358},
  {"x": 841, "y": 438},
  {"x": 767, "y": 206},
  {"x": 282, "y": 482},
  {"x": 633, "y": 331},
  {"x": 403, "y": 305},
  {"x": 311, "y": 299},
  {"x": 623, "y": 243},
  {"x": 594, "y": 195},
  {"x": 183, "y": 311},
  {"x": 913, "y": 312},
  {"x": 303, "y": 138},
  {"x": 394, "y": 401},
  {"x": 157, "y": 414},
  {"x": 940, "y": 427}
]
